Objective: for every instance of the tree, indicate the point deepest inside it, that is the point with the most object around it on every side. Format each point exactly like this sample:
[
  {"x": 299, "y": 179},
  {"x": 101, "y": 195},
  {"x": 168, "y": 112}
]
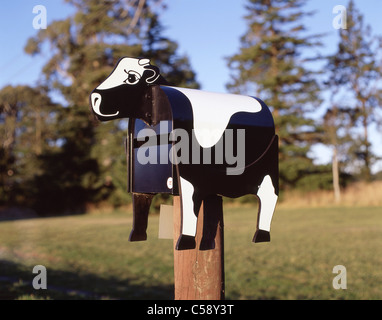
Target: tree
[
  {"x": 27, "y": 122},
  {"x": 271, "y": 65},
  {"x": 355, "y": 68},
  {"x": 84, "y": 50},
  {"x": 338, "y": 123}
]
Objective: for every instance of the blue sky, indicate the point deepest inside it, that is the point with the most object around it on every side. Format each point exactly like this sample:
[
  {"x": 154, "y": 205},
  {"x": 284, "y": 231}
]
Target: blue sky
[{"x": 206, "y": 30}]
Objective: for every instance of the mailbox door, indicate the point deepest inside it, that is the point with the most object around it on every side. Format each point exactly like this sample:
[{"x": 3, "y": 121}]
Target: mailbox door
[{"x": 151, "y": 170}]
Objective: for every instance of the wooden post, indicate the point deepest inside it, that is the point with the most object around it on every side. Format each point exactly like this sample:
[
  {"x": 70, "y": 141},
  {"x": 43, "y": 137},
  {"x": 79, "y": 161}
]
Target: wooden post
[{"x": 199, "y": 273}]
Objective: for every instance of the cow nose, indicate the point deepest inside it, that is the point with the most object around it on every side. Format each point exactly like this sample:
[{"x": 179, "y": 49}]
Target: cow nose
[{"x": 96, "y": 100}]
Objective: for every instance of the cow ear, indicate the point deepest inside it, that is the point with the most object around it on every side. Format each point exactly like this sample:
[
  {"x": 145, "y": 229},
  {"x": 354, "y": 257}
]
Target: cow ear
[{"x": 154, "y": 74}]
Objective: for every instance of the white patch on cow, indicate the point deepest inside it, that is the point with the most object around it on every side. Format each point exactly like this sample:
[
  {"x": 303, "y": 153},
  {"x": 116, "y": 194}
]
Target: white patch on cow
[
  {"x": 189, "y": 218},
  {"x": 268, "y": 199},
  {"x": 212, "y": 112},
  {"x": 127, "y": 67}
]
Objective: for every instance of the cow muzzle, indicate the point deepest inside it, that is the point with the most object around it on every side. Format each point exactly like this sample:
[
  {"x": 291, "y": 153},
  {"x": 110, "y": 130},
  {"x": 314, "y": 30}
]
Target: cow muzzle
[{"x": 96, "y": 101}]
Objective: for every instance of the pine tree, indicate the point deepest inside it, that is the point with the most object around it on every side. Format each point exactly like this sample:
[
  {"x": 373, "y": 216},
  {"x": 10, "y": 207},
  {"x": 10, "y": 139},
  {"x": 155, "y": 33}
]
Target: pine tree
[
  {"x": 271, "y": 66},
  {"x": 27, "y": 126},
  {"x": 84, "y": 50},
  {"x": 354, "y": 69}
]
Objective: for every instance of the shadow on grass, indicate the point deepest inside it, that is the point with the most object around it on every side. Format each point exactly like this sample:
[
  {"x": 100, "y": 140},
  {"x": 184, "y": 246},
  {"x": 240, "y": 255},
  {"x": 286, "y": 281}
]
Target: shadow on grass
[
  {"x": 16, "y": 283},
  {"x": 13, "y": 213}
]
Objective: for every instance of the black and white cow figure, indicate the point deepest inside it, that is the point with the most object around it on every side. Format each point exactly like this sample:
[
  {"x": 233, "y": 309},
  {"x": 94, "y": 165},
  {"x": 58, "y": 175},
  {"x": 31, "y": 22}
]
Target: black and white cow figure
[{"x": 217, "y": 127}]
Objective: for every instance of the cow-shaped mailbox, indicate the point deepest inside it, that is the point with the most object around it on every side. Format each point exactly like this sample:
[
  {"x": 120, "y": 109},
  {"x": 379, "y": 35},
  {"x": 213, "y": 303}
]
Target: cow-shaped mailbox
[{"x": 190, "y": 143}]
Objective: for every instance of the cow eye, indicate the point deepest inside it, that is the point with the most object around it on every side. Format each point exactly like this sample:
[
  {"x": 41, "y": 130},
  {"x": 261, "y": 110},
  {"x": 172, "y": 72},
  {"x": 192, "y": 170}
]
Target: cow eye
[{"x": 132, "y": 77}]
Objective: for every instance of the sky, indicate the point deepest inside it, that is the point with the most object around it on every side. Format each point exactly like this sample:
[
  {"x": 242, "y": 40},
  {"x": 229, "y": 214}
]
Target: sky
[{"x": 207, "y": 31}]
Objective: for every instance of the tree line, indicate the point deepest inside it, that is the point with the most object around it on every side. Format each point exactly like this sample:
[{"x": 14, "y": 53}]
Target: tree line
[{"x": 55, "y": 157}]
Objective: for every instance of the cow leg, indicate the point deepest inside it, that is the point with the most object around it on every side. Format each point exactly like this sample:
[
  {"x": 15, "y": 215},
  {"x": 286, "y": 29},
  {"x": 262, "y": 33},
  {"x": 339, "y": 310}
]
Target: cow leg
[
  {"x": 141, "y": 207},
  {"x": 189, "y": 218},
  {"x": 267, "y": 203}
]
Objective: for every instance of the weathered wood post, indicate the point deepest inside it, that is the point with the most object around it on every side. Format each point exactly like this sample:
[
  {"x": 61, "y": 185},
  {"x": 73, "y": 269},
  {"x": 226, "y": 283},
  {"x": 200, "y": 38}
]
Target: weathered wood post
[{"x": 199, "y": 272}]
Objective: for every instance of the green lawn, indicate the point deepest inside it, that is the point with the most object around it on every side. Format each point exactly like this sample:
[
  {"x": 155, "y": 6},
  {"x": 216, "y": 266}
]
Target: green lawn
[{"x": 89, "y": 257}]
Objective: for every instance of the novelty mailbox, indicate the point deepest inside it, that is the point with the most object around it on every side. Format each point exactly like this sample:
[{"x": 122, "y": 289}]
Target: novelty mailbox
[{"x": 190, "y": 143}]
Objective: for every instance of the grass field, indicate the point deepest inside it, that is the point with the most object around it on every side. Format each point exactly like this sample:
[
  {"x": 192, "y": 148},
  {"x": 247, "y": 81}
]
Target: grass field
[{"x": 89, "y": 257}]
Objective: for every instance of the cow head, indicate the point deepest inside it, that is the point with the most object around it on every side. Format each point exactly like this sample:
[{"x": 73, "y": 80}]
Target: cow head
[{"x": 122, "y": 94}]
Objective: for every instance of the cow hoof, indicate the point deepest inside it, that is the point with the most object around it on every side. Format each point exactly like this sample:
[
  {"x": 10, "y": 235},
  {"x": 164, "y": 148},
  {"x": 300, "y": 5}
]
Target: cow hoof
[
  {"x": 185, "y": 243},
  {"x": 262, "y": 236},
  {"x": 137, "y": 236},
  {"x": 207, "y": 244}
]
